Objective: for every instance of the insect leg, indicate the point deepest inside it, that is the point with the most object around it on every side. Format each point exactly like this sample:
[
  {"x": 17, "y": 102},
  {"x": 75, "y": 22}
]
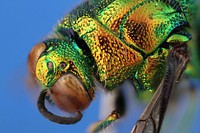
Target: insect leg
[
  {"x": 116, "y": 114},
  {"x": 151, "y": 119}
]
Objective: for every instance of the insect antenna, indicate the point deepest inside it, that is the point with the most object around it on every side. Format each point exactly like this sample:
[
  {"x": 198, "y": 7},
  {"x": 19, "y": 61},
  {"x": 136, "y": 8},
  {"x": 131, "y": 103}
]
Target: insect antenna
[{"x": 52, "y": 117}]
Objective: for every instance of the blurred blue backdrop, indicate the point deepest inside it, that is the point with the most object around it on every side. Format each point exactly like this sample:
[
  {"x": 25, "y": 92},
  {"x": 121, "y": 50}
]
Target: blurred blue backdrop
[{"x": 23, "y": 23}]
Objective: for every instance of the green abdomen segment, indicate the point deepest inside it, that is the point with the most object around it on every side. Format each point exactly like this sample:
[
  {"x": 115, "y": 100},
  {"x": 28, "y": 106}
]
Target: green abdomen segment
[{"x": 143, "y": 24}]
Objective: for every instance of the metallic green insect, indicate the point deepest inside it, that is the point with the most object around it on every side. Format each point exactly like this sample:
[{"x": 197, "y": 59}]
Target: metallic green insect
[{"x": 107, "y": 41}]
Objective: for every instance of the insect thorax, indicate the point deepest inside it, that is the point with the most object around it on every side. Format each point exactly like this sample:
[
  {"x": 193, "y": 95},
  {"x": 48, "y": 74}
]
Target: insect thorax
[{"x": 119, "y": 33}]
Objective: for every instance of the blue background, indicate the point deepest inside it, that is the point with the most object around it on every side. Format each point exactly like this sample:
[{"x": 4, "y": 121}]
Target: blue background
[{"x": 23, "y": 23}]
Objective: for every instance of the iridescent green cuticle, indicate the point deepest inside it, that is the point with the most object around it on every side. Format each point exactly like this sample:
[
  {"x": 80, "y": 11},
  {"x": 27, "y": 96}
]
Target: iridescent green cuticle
[
  {"x": 120, "y": 40},
  {"x": 110, "y": 41}
]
